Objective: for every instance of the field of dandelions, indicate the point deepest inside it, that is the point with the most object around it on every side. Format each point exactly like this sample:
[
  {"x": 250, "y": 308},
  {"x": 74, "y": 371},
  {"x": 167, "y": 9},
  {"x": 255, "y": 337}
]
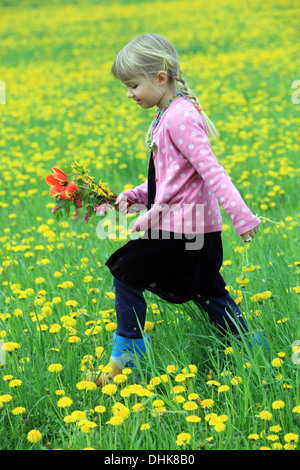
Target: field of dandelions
[{"x": 57, "y": 312}]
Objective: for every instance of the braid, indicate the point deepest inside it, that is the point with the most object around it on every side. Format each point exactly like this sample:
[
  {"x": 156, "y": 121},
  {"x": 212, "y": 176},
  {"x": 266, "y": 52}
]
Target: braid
[{"x": 183, "y": 87}]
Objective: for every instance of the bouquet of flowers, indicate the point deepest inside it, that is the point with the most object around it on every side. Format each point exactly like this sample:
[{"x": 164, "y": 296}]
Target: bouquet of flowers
[{"x": 80, "y": 192}]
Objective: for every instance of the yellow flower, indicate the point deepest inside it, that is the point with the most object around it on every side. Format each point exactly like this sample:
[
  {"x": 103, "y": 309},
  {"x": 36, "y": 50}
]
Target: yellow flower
[
  {"x": 180, "y": 378},
  {"x": 208, "y": 403},
  {"x": 296, "y": 409},
  {"x": 291, "y": 437},
  {"x": 277, "y": 405},
  {"x": 149, "y": 326},
  {"x": 86, "y": 385},
  {"x": 111, "y": 326},
  {"x": 275, "y": 428},
  {"x": 15, "y": 383},
  {"x": 265, "y": 415},
  {"x": 219, "y": 427},
  {"x": 191, "y": 368},
  {"x": 34, "y": 436},
  {"x": 100, "y": 409},
  {"x": 145, "y": 427},
  {"x": 171, "y": 369},
  {"x": 190, "y": 405},
  {"x": 19, "y": 410},
  {"x": 223, "y": 388},
  {"x": 115, "y": 421},
  {"x": 183, "y": 438},
  {"x": 109, "y": 389},
  {"x": 9, "y": 347},
  {"x": 55, "y": 328},
  {"x": 78, "y": 415},
  {"x": 5, "y": 398},
  {"x": 277, "y": 362},
  {"x": 64, "y": 402},
  {"x": 254, "y": 437},
  {"x": 193, "y": 396},
  {"x": 193, "y": 419},
  {"x": 55, "y": 368}
]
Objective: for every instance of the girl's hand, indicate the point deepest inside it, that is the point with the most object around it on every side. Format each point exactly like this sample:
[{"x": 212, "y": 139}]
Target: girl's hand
[
  {"x": 248, "y": 236},
  {"x": 122, "y": 204}
]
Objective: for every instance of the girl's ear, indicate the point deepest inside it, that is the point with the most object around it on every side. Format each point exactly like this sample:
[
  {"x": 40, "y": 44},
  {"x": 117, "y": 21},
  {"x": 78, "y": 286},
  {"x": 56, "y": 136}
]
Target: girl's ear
[{"x": 162, "y": 77}]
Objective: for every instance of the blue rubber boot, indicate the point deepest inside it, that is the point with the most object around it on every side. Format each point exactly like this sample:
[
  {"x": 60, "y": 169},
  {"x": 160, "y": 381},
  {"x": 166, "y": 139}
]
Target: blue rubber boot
[
  {"x": 126, "y": 352},
  {"x": 258, "y": 338}
]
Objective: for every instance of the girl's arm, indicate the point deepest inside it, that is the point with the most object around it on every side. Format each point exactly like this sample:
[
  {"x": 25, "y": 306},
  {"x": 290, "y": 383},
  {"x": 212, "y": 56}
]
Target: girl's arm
[
  {"x": 190, "y": 137},
  {"x": 138, "y": 195}
]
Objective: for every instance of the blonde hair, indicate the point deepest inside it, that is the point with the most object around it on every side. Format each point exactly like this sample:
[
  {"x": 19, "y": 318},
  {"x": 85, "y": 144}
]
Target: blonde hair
[{"x": 147, "y": 55}]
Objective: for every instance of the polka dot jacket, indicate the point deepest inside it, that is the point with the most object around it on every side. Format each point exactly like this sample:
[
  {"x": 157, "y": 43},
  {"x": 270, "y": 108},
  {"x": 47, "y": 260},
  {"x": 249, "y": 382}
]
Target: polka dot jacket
[{"x": 190, "y": 183}]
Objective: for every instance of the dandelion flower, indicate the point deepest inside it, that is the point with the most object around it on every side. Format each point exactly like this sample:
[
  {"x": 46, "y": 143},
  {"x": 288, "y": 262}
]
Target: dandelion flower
[
  {"x": 15, "y": 383},
  {"x": 219, "y": 427},
  {"x": 265, "y": 415},
  {"x": 109, "y": 389},
  {"x": 120, "y": 378},
  {"x": 190, "y": 405},
  {"x": 253, "y": 437},
  {"x": 64, "y": 402},
  {"x": 277, "y": 362},
  {"x": 208, "y": 403},
  {"x": 55, "y": 368},
  {"x": 86, "y": 385},
  {"x": 272, "y": 437},
  {"x": 145, "y": 427},
  {"x": 180, "y": 378},
  {"x": 291, "y": 437},
  {"x": 296, "y": 409},
  {"x": 111, "y": 326},
  {"x": 115, "y": 421},
  {"x": 55, "y": 328},
  {"x": 183, "y": 438},
  {"x": 277, "y": 446},
  {"x": 193, "y": 419},
  {"x": 223, "y": 388},
  {"x": 275, "y": 428},
  {"x": 5, "y": 398},
  {"x": 86, "y": 426},
  {"x": 193, "y": 396},
  {"x": 78, "y": 415},
  {"x": 19, "y": 410},
  {"x": 100, "y": 409},
  {"x": 277, "y": 405},
  {"x": 178, "y": 389},
  {"x": 34, "y": 436},
  {"x": 171, "y": 369}
]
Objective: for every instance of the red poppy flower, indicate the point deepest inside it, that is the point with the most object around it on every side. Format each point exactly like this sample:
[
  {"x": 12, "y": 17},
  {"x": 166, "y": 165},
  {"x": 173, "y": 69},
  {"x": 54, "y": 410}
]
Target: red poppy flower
[{"x": 60, "y": 186}]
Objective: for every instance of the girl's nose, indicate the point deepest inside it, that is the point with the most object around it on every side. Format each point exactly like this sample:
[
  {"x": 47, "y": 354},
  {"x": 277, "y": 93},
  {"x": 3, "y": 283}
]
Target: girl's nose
[{"x": 130, "y": 94}]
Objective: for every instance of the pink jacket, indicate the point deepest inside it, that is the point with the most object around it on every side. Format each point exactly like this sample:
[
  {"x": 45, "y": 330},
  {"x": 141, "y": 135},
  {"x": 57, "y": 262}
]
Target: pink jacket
[{"x": 190, "y": 183}]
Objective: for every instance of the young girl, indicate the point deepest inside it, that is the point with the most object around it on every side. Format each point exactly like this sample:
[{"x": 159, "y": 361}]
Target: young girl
[{"x": 183, "y": 173}]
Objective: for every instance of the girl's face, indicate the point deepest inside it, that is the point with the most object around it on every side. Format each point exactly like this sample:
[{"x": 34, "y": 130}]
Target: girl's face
[{"x": 148, "y": 93}]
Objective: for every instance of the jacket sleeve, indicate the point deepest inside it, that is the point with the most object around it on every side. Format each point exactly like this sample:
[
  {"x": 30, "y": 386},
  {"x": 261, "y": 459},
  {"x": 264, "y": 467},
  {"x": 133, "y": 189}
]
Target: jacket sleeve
[
  {"x": 138, "y": 195},
  {"x": 189, "y": 134}
]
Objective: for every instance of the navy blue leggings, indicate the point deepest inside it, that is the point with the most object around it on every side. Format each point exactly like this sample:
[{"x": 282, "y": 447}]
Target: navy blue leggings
[{"x": 131, "y": 311}]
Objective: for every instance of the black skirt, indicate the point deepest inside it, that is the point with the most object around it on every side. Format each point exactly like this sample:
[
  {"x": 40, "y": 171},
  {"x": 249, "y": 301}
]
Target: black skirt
[{"x": 160, "y": 262}]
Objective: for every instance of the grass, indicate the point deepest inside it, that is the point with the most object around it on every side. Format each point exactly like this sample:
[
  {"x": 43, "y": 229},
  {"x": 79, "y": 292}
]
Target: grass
[{"x": 56, "y": 303}]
